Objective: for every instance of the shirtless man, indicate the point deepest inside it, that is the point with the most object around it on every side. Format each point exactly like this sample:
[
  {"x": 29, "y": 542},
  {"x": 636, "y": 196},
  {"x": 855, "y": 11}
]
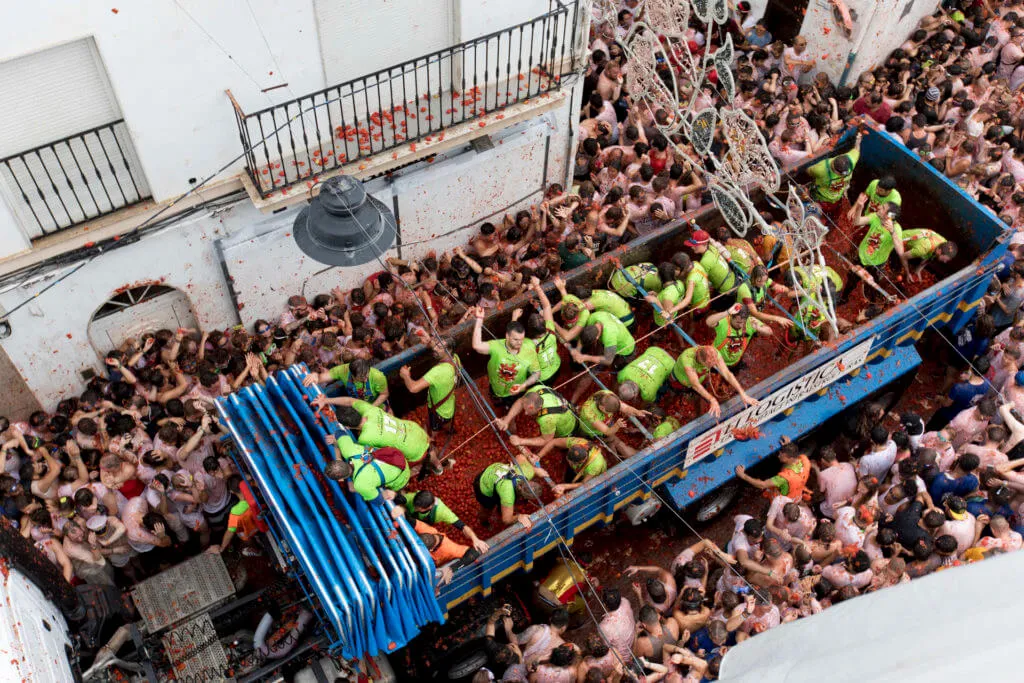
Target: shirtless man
[
  {"x": 654, "y": 632},
  {"x": 538, "y": 641},
  {"x": 660, "y": 585}
]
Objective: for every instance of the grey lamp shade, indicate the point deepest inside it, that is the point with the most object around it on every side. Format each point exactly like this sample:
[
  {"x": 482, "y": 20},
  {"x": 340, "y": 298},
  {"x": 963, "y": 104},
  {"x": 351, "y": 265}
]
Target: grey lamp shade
[{"x": 343, "y": 225}]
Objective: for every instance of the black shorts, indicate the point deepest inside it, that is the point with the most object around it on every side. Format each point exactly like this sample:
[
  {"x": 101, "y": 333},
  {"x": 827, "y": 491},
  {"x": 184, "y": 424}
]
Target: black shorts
[
  {"x": 437, "y": 424},
  {"x": 486, "y": 502},
  {"x": 620, "y": 362},
  {"x": 219, "y": 518}
]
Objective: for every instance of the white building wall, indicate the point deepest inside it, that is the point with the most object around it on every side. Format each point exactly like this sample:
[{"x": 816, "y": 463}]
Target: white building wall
[
  {"x": 881, "y": 27},
  {"x": 50, "y": 345}
]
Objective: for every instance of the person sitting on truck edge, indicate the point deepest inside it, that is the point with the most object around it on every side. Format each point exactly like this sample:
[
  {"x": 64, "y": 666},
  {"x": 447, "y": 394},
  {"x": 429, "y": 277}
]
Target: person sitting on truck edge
[
  {"x": 714, "y": 259},
  {"x": 694, "y": 365},
  {"x": 754, "y": 295},
  {"x": 584, "y": 458},
  {"x": 645, "y": 376},
  {"x": 513, "y": 366},
  {"x": 358, "y": 379},
  {"x": 440, "y": 381},
  {"x": 596, "y": 420},
  {"x": 734, "y": 329},
  {"x": 928, "y": 246},
  {"x": 831, "y": 178},
  {"x": 499, "y": 485},
  {"x": 379, "y": 429},
  {"x": 426, "y": 507},
  {"x": 644, "y": 274},
  {"x": 443, "y": 551},
  {"x": 555, "y": 417},
  {"x": 791, "y": 481},
  {"x": 878, "y": 192}
]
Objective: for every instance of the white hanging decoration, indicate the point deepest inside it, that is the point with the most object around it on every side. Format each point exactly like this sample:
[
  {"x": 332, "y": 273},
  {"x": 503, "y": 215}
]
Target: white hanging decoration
[
  {"x": 645, "y": 81},
  {"x": 702, "y": 10},
  {"x": 730, "y": 203},
  {"x": 672, "y": 17},
  {"x": 720, "y": 11}
]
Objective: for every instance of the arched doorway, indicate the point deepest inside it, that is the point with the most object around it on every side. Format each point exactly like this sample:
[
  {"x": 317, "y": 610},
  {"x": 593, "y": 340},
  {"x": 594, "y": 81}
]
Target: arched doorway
[{"x": 131, "y": 311}]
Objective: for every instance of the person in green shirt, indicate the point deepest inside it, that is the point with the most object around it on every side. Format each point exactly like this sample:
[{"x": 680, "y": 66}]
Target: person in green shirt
[
  {"x": 714, "y": 259},
  {"x": 367, "y": 470},
  {"x": 577, "y": 306},
  {"x": 831, "y": 178},
  {"x": 741, "y": 252},
  {"x": 598, "y": 419},
  {"x": 379, "y": 429},
  {"x": 554, "y": 415},
  {"x": 426, "y": 507},
  {"x": 358, "y": 378},
  {"x": 927, "y": 245},
  {"x": 573, "y": 253},
  {"x": 694, "y": 365},
  {"x": 884, "y": 236},
  {"x": 879, "y": 191},
  {"x": 499, "y": 486},
  {"x": 645, "y": 375},
  {"x": 667, "y": 425},
  {"x": 440, "y": 383},
  {"x": 541, "y": 329},
  {"x": 754, "y": 295},
  {"x": 513, "y": 366},
  {"x": 585, "y": 461},
  {"x": 810, "y": 315},
  {"x": 733, "y": 331},
  {"x": 608, "y": 334},
  {"x": 645, "y": 274}
]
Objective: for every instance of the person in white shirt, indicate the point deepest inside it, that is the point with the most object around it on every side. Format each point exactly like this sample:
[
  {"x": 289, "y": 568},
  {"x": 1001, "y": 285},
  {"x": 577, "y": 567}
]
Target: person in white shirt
[
  {"x": 961, "y": 524},
  {"x": 877, "y": 461},
  {"x": 796, "y": 61},
  {"x": 837, "y": 481}
]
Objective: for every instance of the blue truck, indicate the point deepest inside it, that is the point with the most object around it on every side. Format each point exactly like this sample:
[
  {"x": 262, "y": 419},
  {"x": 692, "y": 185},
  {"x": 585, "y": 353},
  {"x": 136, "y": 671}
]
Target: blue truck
[{"x": 682, "y": 468}]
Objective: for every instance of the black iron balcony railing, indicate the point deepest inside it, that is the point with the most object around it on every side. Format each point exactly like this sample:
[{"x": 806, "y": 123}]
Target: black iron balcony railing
[
  {"x": 417, "y": 100},
  {"x": 75, "y": 179}
]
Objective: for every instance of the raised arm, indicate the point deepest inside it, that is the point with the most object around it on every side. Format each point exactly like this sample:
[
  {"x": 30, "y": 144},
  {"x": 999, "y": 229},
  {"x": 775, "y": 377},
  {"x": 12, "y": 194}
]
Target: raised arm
[{"x": 478, "y": 340}]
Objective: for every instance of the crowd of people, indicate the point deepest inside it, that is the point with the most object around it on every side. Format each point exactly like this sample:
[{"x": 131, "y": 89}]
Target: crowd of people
[{"x": 115, "y": 483}]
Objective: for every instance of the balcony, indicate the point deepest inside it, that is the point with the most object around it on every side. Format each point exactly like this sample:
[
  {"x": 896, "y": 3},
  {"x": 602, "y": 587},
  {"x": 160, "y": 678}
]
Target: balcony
[
  {"x": 374, "y": 123},
  {"x": 73, "y": 180}
]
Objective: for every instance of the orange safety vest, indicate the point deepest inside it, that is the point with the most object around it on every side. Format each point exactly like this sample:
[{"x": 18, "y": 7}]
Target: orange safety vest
[{"x": 797, "y": 481}]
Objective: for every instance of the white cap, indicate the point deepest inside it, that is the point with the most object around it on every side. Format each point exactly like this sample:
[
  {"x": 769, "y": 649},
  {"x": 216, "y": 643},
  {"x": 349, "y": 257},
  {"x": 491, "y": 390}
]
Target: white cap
[{"x": 96, "y": 522}]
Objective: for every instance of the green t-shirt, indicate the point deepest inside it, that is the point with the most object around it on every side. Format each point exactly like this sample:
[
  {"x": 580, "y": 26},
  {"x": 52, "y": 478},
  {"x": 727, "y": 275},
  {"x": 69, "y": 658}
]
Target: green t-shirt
[
  {"x": 591, "y": 414},
  {"x": 370, "y": 475},
  {"x": 730, "y": 342},
  {"x": 571, "y": 259},
  {"x": 649, "y": 371},
  {"x": 701, "y": 286},
  {"x": 595, "y": 463},
  {"x": 830, "y": 186},
  {"x": 376, "y": 383},
  {"x": 921, "y": 243},
  {"x": 811, "y": 317},
  {"x": 688, "y": 359},
  {"x": 547, "y": 353},
  {"x": 348, "y": 448},
  {"x": 584, "y": 313},
  {"x": 506, "y": 369},
  {"x": 741, "y": 251},
  {"x": 383, "y": 429},
  {"x": 747, "y": 293},
  {"x": 669, "y": 296},
  {"x": 669, "y": 425},
  {"x": 499, "y": 480},
  {"x": 440, "y": 513},
  {"x": 555, "y": 417},
  {"x": 441, "y": 380},
  {"x": 875, "y": 201},
  {"x": 718, "y": 269},
  {"x": 613, "y": 333},
  {"x": 877, "y": 244},
  {"x": 607, "y": 300},
  {"x": 643, "y": 273},
  {"x": 813, "y": 278}
]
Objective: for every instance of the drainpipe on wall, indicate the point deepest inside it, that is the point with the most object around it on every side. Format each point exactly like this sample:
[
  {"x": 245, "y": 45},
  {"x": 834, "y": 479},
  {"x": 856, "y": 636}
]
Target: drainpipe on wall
[
  {"x": 852, "y": 57},
  {"x": 576, "y": 97}
]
